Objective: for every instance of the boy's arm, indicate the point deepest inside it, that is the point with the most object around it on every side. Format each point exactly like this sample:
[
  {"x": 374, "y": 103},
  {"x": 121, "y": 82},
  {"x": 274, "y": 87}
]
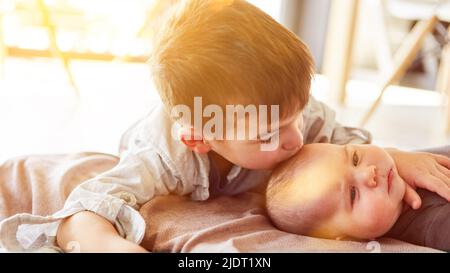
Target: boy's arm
[
  {"x": 109, "y": 201},
  {"x": 88, "y": 232},
  {"x": 113, "y": 198},
  {"x": 148, "y": 167}
]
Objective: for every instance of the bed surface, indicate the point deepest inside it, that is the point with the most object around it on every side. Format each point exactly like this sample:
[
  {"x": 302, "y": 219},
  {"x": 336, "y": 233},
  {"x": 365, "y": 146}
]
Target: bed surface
[{"x": 39, "y": 184}]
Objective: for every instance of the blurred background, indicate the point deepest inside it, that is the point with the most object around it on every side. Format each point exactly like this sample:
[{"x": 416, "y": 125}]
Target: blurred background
[{"x": 73, "y": 73}]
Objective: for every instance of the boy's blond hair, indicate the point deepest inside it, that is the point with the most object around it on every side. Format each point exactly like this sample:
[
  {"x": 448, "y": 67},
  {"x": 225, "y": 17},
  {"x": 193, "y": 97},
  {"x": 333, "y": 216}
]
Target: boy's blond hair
[{"x": 230, "y": 52}]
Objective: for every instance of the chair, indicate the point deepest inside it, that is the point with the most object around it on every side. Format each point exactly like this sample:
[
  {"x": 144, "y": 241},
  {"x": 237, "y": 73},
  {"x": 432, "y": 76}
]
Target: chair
[
  {"x": 38, "y": 14},
  {"x": 428, "y": 13},
  {"x": 84, "y": 29}
]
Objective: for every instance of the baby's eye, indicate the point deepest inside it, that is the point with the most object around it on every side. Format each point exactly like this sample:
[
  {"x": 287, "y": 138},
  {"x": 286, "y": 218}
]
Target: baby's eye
[
  {"x": 355, "y": 159},
  {"x": 352, "y": 195}
]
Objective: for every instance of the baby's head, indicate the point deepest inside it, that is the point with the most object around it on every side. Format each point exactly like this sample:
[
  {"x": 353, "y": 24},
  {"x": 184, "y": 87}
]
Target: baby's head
[
  {"x": 228, "y": 52},
  {"x": 332, "y": 191}
]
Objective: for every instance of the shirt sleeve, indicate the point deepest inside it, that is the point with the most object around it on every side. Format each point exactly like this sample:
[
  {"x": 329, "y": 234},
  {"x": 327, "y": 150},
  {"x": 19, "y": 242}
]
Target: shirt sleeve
[
  {"x": 115, "y": 195},
  {"x": 320, "y": 126}
]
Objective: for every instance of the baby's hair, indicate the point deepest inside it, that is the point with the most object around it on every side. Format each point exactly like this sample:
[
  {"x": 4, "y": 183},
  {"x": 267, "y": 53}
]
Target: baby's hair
[
  {"x": 230, "y": 52},
  {"x": 294, "y": 217}
]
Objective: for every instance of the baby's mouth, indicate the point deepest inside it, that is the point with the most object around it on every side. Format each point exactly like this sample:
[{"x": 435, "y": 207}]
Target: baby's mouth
[{"x": 390, "y": 177}]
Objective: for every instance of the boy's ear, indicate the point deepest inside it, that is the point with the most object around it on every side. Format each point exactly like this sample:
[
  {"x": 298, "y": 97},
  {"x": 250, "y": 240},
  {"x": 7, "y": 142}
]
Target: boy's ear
[{"x": 194, "y": 142}]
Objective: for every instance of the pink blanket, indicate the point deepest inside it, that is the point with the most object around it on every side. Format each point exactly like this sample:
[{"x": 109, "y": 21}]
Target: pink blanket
[{"x": 40, "y": 184}]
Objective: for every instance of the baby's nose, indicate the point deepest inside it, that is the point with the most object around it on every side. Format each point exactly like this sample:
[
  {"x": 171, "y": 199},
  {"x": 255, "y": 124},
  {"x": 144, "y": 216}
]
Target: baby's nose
[
  {"x": 371, "y": 183},
  {"x": 367, "y": 176}
]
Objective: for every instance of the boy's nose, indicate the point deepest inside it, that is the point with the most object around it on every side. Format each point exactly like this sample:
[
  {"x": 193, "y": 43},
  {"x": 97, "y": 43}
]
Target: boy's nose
[
  {"x": 366, "y": 176},
  {"x": 292, "y": 138},
  {"x": 293, "y": 143}
]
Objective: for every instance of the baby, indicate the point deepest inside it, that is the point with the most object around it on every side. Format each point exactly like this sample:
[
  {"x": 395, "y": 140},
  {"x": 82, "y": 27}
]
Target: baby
[{"x": 355, "y": 192}]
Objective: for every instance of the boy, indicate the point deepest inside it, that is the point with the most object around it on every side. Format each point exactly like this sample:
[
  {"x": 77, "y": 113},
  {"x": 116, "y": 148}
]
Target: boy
[
  {"x": 225, "y": 53},
  {"x": 353, "y": 191}
]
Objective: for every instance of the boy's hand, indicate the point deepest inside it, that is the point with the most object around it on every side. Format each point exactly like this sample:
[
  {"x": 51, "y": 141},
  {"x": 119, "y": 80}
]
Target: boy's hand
[
  {"x": 88, "y": 232},
  {"x": 422, "y": 170}
]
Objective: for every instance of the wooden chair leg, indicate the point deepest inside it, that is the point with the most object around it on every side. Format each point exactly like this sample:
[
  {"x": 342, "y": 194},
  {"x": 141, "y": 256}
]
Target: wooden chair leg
[
  {"x": 338, "y": 52},
  {"x": 56, "y": 52},
  {"x": 403, "y": 59},
  {"x": 3, "y": 50},
  {"x": 383, "y": 52},
  {"x": 443, "y": 80}
]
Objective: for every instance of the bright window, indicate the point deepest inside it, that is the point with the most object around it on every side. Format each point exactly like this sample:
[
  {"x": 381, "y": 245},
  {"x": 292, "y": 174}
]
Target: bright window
[{"x": 271, "y": 7}]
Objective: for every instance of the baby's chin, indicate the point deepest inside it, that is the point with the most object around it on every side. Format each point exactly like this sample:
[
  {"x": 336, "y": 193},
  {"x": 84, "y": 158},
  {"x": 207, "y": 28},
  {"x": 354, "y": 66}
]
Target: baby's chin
[{"x": 383, "y": 227}]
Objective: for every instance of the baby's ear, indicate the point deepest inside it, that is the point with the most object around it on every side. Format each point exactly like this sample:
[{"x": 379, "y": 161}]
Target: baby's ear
[{"x": 193, "y": 142}]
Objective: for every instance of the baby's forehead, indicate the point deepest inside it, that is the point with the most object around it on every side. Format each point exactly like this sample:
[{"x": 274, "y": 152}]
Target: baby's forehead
[
  {"x": 321, "y": 160},
  {"x": 317, "y": 184},
  {"x": 316, "y": 168},
  {"x": 318, "y": 177},
  {"x": 315, "y": 197}
]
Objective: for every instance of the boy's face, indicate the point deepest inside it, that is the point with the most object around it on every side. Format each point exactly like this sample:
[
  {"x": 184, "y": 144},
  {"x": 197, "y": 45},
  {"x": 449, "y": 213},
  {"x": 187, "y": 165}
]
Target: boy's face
[
  {"x": 359, "y": 186},
  {"x": 250, "y": 154}
]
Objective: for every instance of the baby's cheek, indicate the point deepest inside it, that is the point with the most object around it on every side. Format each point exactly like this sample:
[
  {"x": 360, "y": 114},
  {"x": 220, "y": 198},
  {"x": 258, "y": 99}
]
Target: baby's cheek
[{"x": 380, "y": 218}]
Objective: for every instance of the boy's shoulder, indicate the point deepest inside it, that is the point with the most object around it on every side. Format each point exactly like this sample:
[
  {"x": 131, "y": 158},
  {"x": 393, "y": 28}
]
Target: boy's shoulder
[
  {"x": 153, "y": 129},
  {"x": 151, "y": 137}
]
